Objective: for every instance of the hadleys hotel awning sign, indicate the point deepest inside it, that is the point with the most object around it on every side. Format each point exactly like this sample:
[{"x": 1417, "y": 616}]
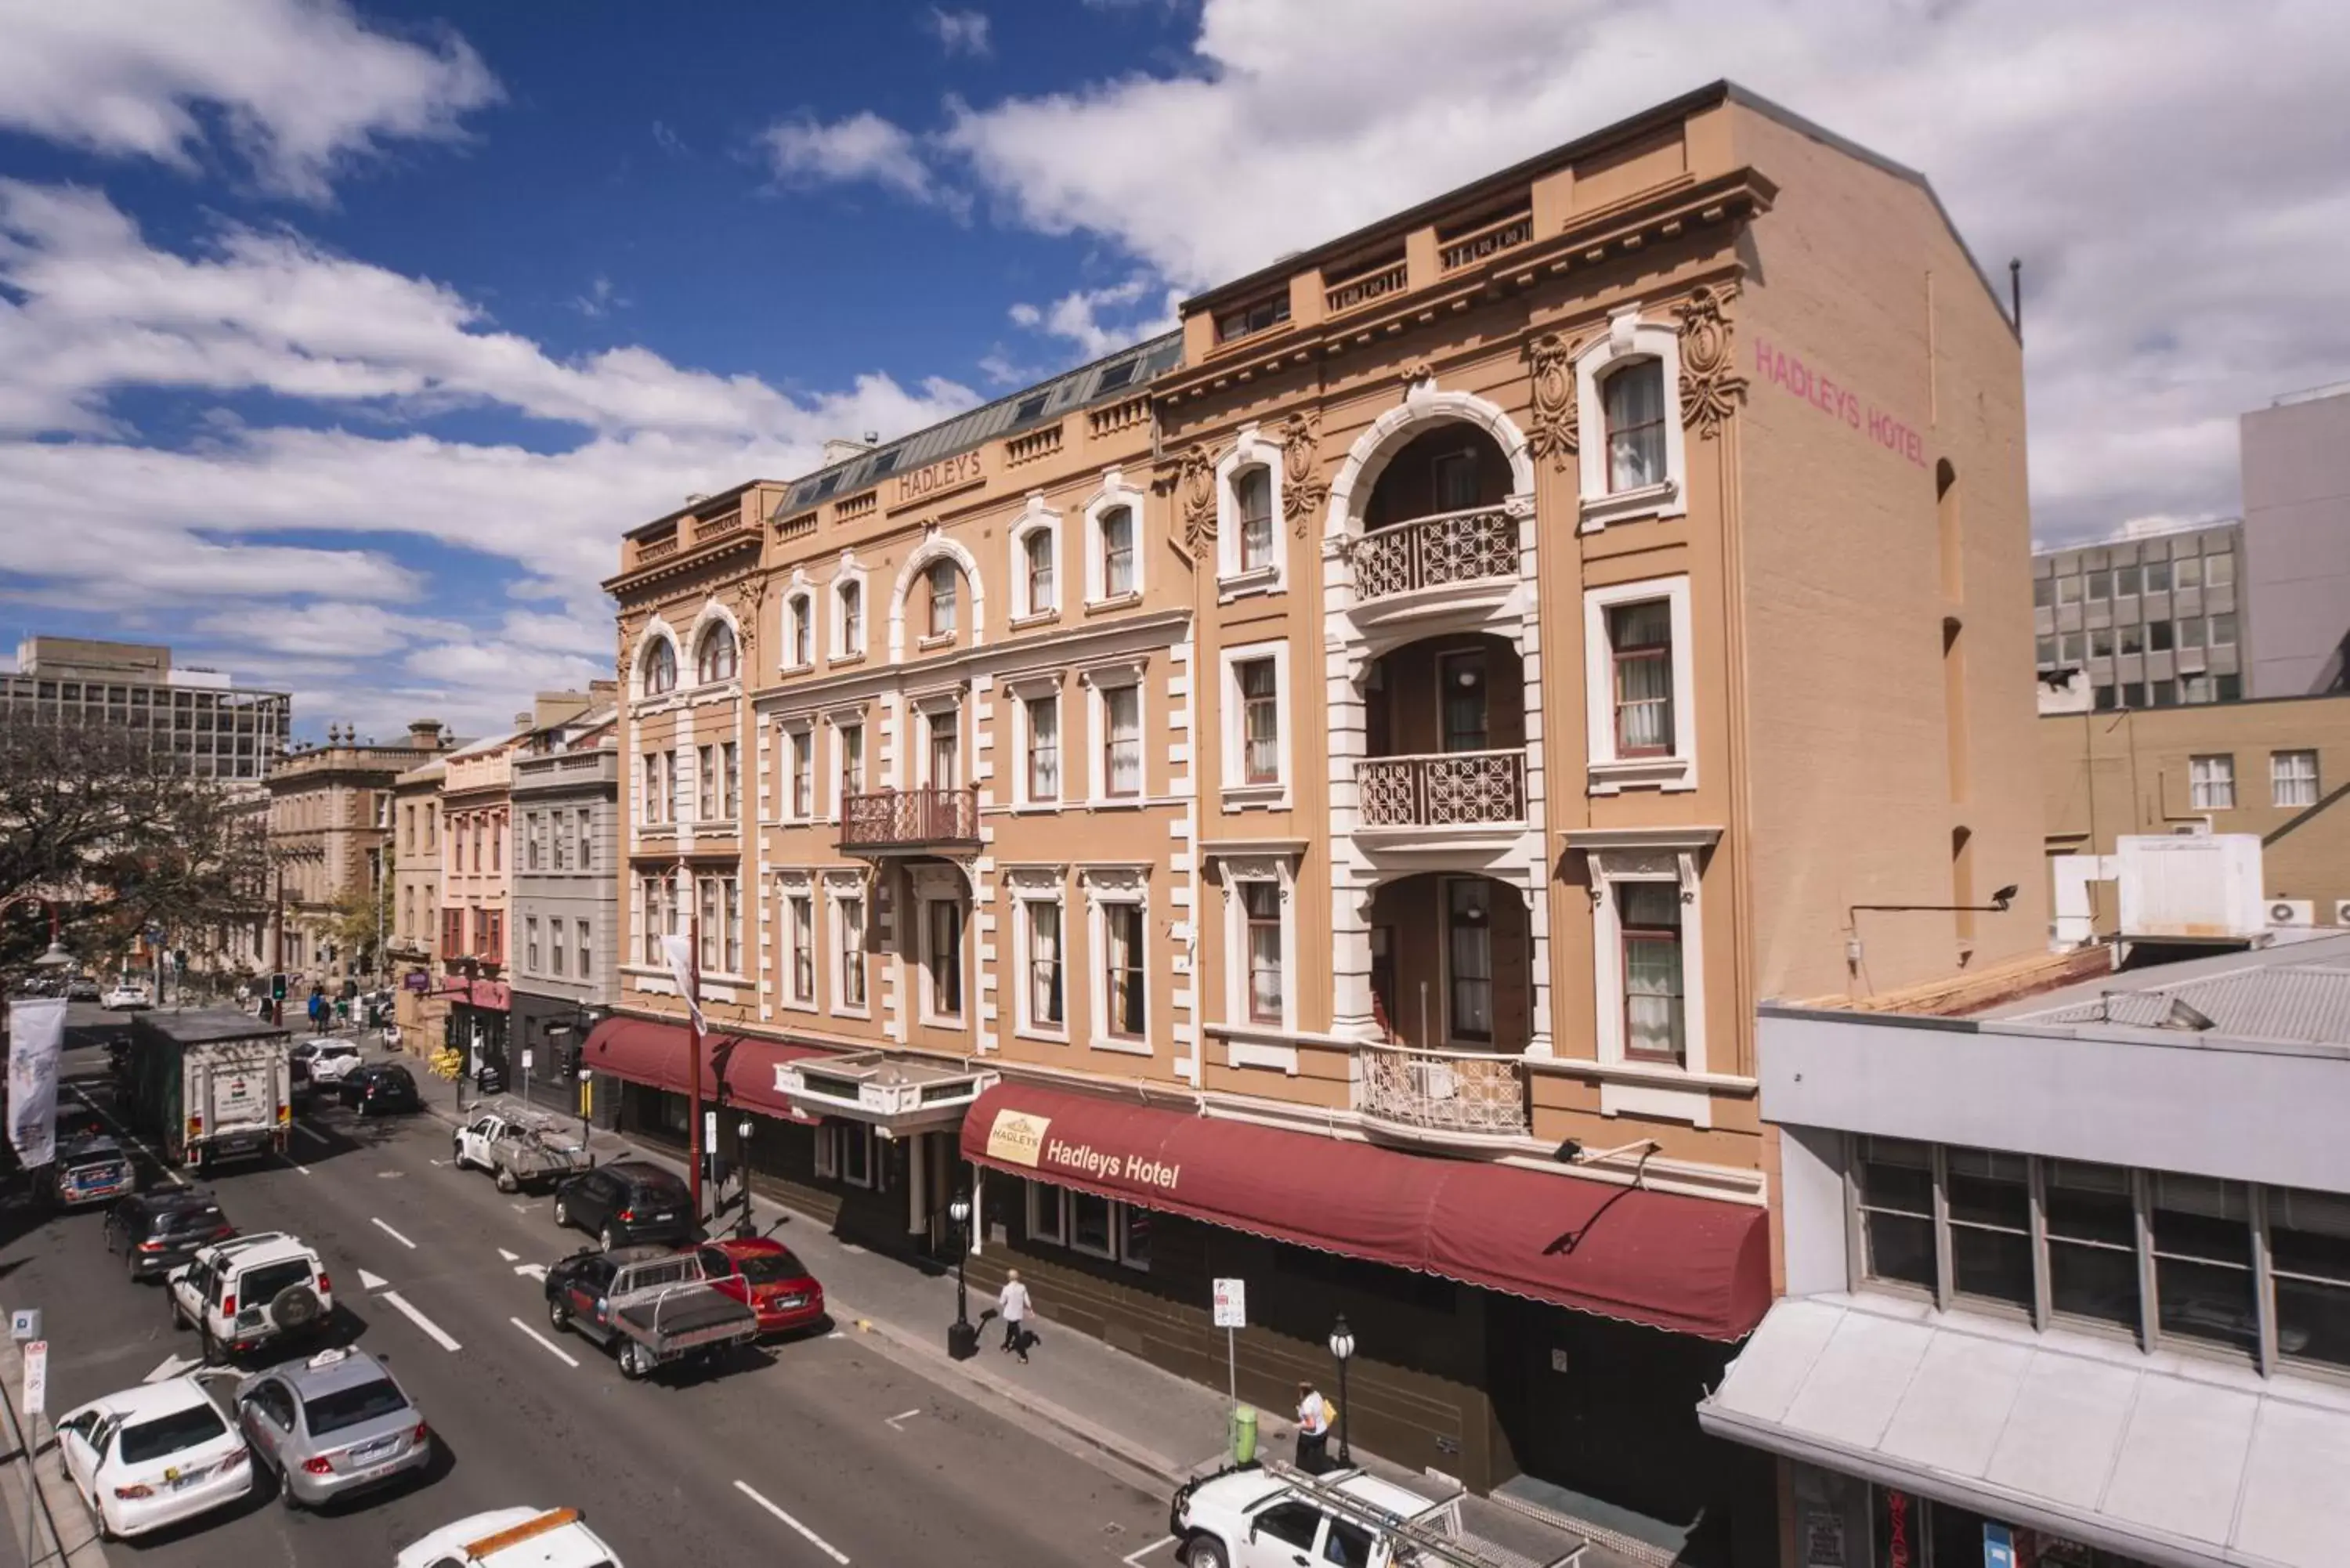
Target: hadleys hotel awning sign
[
  {"x": 1017, "y": 1137},
  {"x": 1688, "y": 1265}
]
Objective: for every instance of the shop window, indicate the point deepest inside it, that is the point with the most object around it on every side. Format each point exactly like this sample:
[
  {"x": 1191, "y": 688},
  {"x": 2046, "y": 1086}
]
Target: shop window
[
  {"x": 1895, "y": 1190},
  {"x": 1090, "y": 1225},
  {"x": 1047, "y": 1215},
  {"x": 844, "y": 1153},
  {"x": 2309, "y": 1253},
  {"x": 1099, "y": 1227}
]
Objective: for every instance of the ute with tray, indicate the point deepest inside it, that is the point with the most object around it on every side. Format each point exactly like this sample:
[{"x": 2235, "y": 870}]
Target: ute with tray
[
  {"x": 651, "y": 1305},
  {"x": 520, "y": 1147}
]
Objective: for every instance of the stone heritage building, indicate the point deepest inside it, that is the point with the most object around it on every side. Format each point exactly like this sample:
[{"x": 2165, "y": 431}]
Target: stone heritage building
[
  {"x": 417, "y": 1007},
  {"x": 1319, "y": 797},
  {"x": 329, "y": 828}
]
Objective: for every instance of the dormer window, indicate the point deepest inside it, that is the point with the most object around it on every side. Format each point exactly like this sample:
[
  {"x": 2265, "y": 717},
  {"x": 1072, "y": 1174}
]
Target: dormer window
[
  {"x": 1253, "y": 498},
  {"x": 716, "y": 661},
  {"x": 1634, "y": 399},
  {"x": 944, "y": 599},
  {"x": 1257, "y": 315},
  {"x": 660, "y": 669}
]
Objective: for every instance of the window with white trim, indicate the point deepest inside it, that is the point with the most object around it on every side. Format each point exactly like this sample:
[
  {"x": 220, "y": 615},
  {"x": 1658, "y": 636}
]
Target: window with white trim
[
  {"x": 706, "y": 784},
  {"x": 799, "y": 746},
  {"x": 1123, "y": 970},
  {"x": 799, "y": 631},
  {"x": 848, "y": 752},
  {"x": 1650, "y": 926},
  {"x": 845, "y": 1152},
  {"x": 942, "y": 759},
  {"x": 800, "y": 922},
  {"x": 1263, "y": 947},
  {"x": 1260, "y": 696},
  {"x": 557, "y": 964},
  {"x": 717, "y": 657},
  {"x": 1252, "y": 502},
  {"x": 945, "y": 585},
  {"x": 587, "y": 948},
  {"x": 530, "y": 938},
  {"x": 1640, "y": 642},
  {"x": 660, "y": 667},
  {"x": 1639, "y": 671},
  {"x": 848, "y": 941},
  {"x": 2293, "y": 778},
  {"x": 722, "y": 924},
  {"x": 1040, "y": 719},
  {"x": 1044, "y": 965},
  {"x": 730, "y": 781},
  {"x": 1115, "y": 554},
  {"x": 2211, "y": 782},
  {"x": 1631, "y": 461},
  {"x": 1104, "y": 1228},
  {"x": 1253, "y": 717},
  {"x": 1120, "y": 765},
  {"x": 1037, "y": 571},
  {"x": 1468, "y": 960},
  {"x": 1632, "y": 413},
  {"x": 943, "y": 967},
  {"x": 849, "y": 618}
]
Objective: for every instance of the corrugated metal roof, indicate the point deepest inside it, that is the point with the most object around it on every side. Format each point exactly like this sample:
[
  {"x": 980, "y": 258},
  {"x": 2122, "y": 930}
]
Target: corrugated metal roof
[
  {"x": 1108, "y": 379},
  {"x": 2308, "y": 1003}
]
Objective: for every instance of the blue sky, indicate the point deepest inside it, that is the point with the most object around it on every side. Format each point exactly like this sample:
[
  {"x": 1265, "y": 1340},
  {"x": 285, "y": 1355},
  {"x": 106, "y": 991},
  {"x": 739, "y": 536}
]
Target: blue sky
[{"x": 340, "y": 342}]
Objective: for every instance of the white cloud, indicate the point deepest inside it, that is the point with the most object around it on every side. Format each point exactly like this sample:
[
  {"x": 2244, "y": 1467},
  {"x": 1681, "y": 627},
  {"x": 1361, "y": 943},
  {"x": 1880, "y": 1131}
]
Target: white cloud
[
  {"x": 2173, "y": 225},
  {"x": 1100, "y": 321},
  {"x": 600, "y": 300},
  {"x": 303, "y": 87},
  {"x": 961, "y": 32},
  {"x": 862, "y": 146}
]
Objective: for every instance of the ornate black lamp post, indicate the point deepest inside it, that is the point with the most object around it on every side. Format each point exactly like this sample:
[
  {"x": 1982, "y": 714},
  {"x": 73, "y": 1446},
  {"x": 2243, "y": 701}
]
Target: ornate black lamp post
[{"x": 1342, "y": 1349}]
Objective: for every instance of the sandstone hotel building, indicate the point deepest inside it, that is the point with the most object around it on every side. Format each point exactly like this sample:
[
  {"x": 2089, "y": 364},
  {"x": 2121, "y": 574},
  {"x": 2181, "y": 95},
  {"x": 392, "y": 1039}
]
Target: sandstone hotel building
[{"x": 1319, "y": 796}]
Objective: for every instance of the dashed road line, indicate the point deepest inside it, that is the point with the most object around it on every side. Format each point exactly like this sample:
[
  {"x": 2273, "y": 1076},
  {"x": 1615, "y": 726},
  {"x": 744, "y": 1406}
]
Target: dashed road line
[
  {"x": 821, "y": 1544},
  {"x": 1134, "y": 1559},
  {"x": 509, "y": 1256},
  {"x": 313, "y": 1134},
  {"x": 433, "y": 1331},
  {"x": 163, "y": 1166},
  {"x": 546, "y": 1344},
  {"x": 393, "y": 1234},
  {"x": 891, "y": 1421}
]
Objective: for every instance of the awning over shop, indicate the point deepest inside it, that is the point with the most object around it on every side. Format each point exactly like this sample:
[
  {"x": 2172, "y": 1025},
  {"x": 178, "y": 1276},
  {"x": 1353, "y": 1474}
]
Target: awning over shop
[
  {"x": 642, "y": 1051},
  {"x": 2163, "y": 1458},
  {"x": 1688, "y": 1265}
]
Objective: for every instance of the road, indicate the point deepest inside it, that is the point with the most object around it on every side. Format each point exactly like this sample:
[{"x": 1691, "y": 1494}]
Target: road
[{"x": 816, "y": 1451}]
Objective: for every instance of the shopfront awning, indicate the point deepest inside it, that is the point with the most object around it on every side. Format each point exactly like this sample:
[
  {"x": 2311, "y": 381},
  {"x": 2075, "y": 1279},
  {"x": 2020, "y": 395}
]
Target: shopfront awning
[
  {"x": 1688, "y": 1265},
  {"x": 2163, "y": 1458},
  {"x": 643, "y": 1051}
]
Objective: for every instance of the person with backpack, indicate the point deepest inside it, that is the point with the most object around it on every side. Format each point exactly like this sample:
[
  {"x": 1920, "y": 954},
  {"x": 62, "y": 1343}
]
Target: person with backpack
[{"x": 1315, "y": 1414}]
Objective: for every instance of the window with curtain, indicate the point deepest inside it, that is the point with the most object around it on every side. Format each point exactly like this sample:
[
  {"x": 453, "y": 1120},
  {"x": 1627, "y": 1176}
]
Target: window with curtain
[
  {"x": 729, "y": 779},
  {"x": 705, "y": 791},
  {"x": 586, "y": 945},
  {"x": 558, "y": 964},
  {"x": 2293, "y": 778},
  {"x": 1469, "y": 951},
  {"x": 852, "y": 618},
  {"x": 1122, "y": 971},
  {"x": 709, "y": 933},
  {"x": 944, "y": 749},
  {"x": 1640, "y": 641},
  {"x": 1038, "y": 549},
  {"x": 802, "y": 929},
  {"x": 803, "y": 643},
  {"x": 2212, "y": 782},
  {"x": 945, "y": 956},
  {"x": 1253, "y": 499},
  {"x": 803, "y": 746},
  {"x": 852, "y": 953},
  {"x": 1261, "y": 912},
  {"x": 1044, "y": 967},
  {"x": 945, "y": 592},
  {"x": 660, "y": 667},
  {"x": 1118, "y": 551},
  {"x": 1649, "y": 914},
  {"x": 1122, "y": 740},
  {"x": 716, "y": 660},
  {"x": 1043, "y": 748},
  {"x": 1260, "y": 722},
  {"x": 1633, "y": 402},
  {"x": 851, "y": 739}
]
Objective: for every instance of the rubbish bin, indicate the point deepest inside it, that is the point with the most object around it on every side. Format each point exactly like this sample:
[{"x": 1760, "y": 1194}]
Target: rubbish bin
[{"x": 1244, "y": 1435}]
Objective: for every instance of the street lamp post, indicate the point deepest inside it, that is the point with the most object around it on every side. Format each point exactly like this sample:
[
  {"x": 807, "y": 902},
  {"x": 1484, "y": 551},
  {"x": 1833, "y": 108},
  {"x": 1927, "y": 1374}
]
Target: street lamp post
[
  {"x": 472, "y": 966},
  {"x": 963, "y": 1339},
  {"x": 1342, "y": 1349}
]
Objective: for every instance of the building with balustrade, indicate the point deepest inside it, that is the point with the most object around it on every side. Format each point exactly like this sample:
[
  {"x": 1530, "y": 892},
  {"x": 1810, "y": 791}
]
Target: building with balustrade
[{"x": 1318, "y": 798}]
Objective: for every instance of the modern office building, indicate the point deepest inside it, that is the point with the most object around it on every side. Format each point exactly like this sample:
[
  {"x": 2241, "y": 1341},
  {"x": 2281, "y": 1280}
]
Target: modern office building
[
  {"x": 2152, "y": 618},
  {"x": 1317, "y": 797},
  {"x": 216, "y": 728},
  {"x": 2296, "y": 478}
]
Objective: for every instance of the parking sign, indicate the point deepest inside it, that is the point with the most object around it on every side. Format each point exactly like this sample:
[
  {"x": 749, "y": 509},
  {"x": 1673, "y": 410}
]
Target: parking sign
[
  {"x": 25, "y": 1323},
  {"x": 37, "y": 1377},
  {"x": 1231, "y": 1304}
]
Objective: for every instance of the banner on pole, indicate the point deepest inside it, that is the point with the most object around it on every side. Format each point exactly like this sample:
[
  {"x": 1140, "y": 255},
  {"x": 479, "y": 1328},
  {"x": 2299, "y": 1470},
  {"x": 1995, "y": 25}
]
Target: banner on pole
[
  {"x": 37, "y": 1035},
  {"x": 680, "y": 953}
]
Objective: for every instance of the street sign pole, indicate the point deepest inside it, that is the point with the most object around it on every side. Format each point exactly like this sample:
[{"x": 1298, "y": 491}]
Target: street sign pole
[
  {"x": 37, "y": 1399},
  {"x": 1232, "y": 1316}
]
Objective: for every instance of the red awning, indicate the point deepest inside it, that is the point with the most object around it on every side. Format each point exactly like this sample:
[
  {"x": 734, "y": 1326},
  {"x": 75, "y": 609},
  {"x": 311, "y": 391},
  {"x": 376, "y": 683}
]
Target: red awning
[
  {"x": 641, "y": 1051},
  {"x": 1688, "y": 1265}
]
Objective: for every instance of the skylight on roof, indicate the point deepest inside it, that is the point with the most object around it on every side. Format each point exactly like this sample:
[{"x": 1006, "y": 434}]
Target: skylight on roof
[{"x": 1118, "y": 375}]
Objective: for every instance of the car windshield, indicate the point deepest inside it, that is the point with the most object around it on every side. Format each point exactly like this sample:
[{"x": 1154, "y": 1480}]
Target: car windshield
[
  {"x": 661, "y": 1188},
  {"x": 769, "y": 1268},
  {"x": 261, "y": 1286},
  {"x": 349, "y": 1407},
  {"x": 393, "y": 1078},
  {"x": 169, "y": 1434},
  {"x": 182, "y": 1219}
]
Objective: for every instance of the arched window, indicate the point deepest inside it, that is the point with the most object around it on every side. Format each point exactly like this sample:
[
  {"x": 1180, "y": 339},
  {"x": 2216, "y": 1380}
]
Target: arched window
[
  {"x": 944, "y": 594},
  {"x": 1253, "y": 499},
  {"x": 1633, "y": 399},
  {"x": 851, "y": 600},
  {"x": 1038, "y": 553},
  {"x": 716, "y": 659},
  {"x": 660, "y": 667}
]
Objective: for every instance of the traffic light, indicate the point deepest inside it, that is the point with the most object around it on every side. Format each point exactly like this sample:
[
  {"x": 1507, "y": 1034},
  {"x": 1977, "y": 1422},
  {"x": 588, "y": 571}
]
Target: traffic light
[{"x": 277, "y": 988}]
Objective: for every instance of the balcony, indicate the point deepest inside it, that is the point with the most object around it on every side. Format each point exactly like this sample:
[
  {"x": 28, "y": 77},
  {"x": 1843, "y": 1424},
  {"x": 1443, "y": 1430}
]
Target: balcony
[
  {"x": 1446, "y": 789},
  {"x": 1479, "y": 544},
  {"x": 909, "y": 821},
  {"x": 1441, "y": 1096}
]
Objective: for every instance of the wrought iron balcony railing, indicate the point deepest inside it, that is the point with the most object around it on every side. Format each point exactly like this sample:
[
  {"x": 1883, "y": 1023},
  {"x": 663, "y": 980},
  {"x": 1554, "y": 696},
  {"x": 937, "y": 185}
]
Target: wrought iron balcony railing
[
  {"x": 1430, "y": 552},
  {"x": 1443, "y": 1092},
  {"x": 908, "y": 818},
  {"x": 1443, "y": 789}
]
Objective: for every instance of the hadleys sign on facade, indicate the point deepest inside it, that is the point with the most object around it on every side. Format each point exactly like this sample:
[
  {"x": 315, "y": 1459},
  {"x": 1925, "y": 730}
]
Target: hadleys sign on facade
[
  {"x": 1019, "y": 1138},
  {"x": 939, "y": 478}
]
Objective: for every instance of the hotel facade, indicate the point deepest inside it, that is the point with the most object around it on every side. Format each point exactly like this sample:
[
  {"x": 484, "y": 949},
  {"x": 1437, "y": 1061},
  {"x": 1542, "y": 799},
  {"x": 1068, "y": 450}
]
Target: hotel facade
[{"x": 1318, "y": 797}]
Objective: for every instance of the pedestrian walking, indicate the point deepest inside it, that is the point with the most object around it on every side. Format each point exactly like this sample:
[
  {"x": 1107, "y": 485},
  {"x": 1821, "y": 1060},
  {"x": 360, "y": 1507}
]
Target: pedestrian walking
[
  {"x": 1013, "y": 1302},
  {"x": 1315, "y": 1414}
]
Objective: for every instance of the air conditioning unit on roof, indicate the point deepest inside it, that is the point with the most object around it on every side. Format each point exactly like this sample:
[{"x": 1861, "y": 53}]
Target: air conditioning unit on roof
[
  {"x": 2342, "y": 912},
  {"x": 2291, "y": 912}
]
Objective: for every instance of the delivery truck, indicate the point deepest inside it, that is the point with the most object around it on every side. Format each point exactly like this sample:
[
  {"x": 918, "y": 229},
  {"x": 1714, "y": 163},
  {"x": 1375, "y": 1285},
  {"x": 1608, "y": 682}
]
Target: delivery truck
[{"x": 211, "y": 1086}]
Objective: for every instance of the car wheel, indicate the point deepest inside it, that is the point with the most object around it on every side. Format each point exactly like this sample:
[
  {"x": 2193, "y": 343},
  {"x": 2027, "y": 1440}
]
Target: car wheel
[
  {"x": 562, "y": 1215},
  {"x": 457, "y": 1152},
  {"x": 1205, "y": 1552},
  {"x": 285, "y": 1498},
  {"x": 558, "y": 1317},
  {"x": 171, "y": 1305},
  {"x": 507, "y": 1180},
  {"x": 105, "y": 1525},
  {"x": 606, "y": 1239},
  {"x": 636, "y": 1361},
  {"x": 210, "y": 1347}
]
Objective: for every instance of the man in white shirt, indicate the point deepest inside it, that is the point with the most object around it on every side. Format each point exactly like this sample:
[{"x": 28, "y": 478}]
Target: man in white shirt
[
  {"x": 1312, "y": 1428},
  {"x": 1013, "y": 1304}
]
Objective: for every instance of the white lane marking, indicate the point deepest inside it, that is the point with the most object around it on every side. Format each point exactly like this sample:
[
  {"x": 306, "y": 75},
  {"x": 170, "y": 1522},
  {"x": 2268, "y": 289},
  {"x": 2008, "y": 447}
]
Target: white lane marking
[
  {"x": 535, "y": 1270},
  {"x": 821, "y": 1544},
  {"x": 172, "y": 1367},
  {"x": 509, "y": 1256},
  {"x": 433, "y": 1331},
  {"x": 313, "y": 1134},
  {"x": 1134, "y": 1559},
  {"x": 521, "y": 1208},
  {"x": 395, "y": 1235},
  {"x": 546, "y": 1344},
  {"x": 371, "y": 1281},
  {"x": 891, "y": 1421},
  {"x": 163, "y": 1166}
]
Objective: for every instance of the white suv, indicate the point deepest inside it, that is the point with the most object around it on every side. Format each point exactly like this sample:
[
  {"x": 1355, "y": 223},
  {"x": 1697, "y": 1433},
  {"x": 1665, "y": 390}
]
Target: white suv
[
  {"x": 251, "y": 1290},
  {"x": 1275, "y": 1516}
]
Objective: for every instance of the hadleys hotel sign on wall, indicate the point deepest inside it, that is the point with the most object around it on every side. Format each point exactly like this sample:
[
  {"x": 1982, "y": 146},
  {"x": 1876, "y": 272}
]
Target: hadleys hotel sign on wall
[
  {"x": 1790, "y": 374},
  {"x": 1018, "y": 1138},
  {"x": 941, "y": 478}
]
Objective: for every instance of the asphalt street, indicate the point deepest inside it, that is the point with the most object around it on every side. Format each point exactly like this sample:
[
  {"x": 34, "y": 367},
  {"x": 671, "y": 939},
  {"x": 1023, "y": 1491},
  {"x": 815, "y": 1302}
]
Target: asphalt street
[{"x": 818, "y": 1451}]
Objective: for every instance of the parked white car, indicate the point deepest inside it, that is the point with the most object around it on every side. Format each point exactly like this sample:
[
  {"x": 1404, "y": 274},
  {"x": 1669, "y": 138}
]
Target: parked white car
[
  {"x": 513, "y": 1538},
  {"x": 126, "y": 997},
  {"x": 1276, "y": 1516},
  {"x": 330, "y": 1059},
  {"x": 250, "y": 1290},
  {"x": 154, "y": 1456}
]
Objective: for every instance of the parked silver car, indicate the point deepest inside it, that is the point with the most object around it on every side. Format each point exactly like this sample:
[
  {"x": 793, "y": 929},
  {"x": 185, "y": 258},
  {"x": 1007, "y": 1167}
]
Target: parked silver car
[{"x": 332, "y": 1425}]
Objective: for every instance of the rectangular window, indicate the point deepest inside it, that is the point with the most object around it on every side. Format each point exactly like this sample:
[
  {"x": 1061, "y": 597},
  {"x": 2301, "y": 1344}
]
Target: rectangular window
[
  {"x": 803, "y": 764},
  {"x": 1090, "y": 1221},
  {"x": 1121, "y": 739},
  {"x": 2293, "y": 778},
  {"x": 802, "y": 910},
  {"x": 2223, "y": 627},
  {"x": 1260, "y": 722},
  {"x": 2091, "y": 1243},
  {"x": 1122, "y": 969},
  {"x": 2043, "y": 592},
  {"x": 945, "y": 594},
  {"x": 802, "y": 633},
  {"x": 2231, "y": 687},
  {"x": 2212, "y": 782},
  {"x": 1038, "y": 549},
  {"x": 2159, "y": 636},
  {"x": 1118, "y": 551},
  {"x": 2044, "y": 651},
  {"x": 558, "y": 963},
  {"x": 1261, "y": 911},
  {"x": 1048, "y": 1214},
  {"x": 944, "y": 940},
  {"x": 2162, "y": 693},
  {"x": 2190, "y": 571},
  {"x": 2101, "y": 642},
  {"x": 2220, "y": 570},
  {"x": 1990, "y": 1226},
  {"x": 705, "y": 794},
  {"x": 1464, "y": 710},
  {"x": 731, "y": 931},
  {"x": 2203, "y": 1260},
  {"x": 2068, "y": 589},
  {"x": 1633, "y": 402},
  {"x": 944, "y": 749},
  {"x": 1640, "y": 637},
  {"x": 855, "y": 1158},
  {"x": 1253, "y": 499},
  {"x": 852, "y": 953},
  {"x": 586, "y": 945},
  {"x": 1453, "y": 479},
  {"x": 584, "y": 831},
  {"x": 2100, "y": 587},
  {"x": 1043, "y": 748},
  {"x": 1045, "y": 1003},
  {"x": 852, "y": 759},
  {"x": 730, "y": 781},
  {"x": 2309, "y": 1256},
  {"x": 708, "y": 923},
  {"x": 2133, "y": 637},
  {"x": 1469, "y": 963},
  {"x": 852, "y": 619},
  {"x": 2126, "y": 582},
  {"x": 1894, "y": 1179},
  {"x": 2190, "y": 632},
  {"x": 2157, "y": 577},
  {"x": 530, "y": 938},
  {"x": 1649, "y": 914}
]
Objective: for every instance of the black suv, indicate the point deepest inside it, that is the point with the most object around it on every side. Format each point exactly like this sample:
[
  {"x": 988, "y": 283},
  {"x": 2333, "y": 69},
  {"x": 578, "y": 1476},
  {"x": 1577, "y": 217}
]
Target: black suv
[
  {"x": 157, "y": 1232},
  {"x": 626, "y": 1202},
  {"x": 379, "y": 1090}
]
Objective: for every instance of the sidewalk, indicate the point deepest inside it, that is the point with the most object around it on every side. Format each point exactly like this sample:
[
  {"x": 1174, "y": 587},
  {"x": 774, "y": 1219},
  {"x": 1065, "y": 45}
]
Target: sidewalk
[{"x": 1153, "y": 1426}]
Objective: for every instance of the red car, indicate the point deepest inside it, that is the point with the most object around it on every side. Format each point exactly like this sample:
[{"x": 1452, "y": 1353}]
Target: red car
[{"x": 765, "y": 1274}]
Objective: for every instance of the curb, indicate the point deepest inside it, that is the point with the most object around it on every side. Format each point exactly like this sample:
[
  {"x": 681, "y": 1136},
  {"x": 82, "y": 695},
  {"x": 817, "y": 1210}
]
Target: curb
[{"x": 65, "y": 1533}]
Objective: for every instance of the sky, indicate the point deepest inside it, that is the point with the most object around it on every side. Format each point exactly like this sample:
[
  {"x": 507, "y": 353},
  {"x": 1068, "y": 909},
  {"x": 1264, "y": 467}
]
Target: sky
[{"x": 340, "y": 342}]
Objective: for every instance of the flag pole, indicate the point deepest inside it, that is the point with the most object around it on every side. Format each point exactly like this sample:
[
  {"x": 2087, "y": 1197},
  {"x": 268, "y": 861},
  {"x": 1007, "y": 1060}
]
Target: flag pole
[{"x": 693, "y": 1035}]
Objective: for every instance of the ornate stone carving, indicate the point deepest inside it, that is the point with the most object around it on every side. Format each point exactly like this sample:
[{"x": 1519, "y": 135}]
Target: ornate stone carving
[
  {"x": 1552, "y": 356},
  {"x": 1711, "y": 389},
  {"x": 1303, "y": 488},
  {"x": 1416, "y": 370},
  {"x": 1194, "y": 485}
]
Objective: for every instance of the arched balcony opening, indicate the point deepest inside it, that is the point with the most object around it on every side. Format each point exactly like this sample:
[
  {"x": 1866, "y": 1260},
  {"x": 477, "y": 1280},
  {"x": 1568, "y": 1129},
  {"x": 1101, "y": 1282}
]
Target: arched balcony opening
[
  {"x": 1436, "y": 514},
  {"x": 1453, "y": 1003},
  {"x": 1444, "y": 735}
]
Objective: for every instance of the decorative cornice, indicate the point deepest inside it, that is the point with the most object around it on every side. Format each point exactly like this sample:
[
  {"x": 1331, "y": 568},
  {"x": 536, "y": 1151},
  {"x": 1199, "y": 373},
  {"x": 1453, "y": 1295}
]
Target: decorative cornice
[
  {"x": 1193, "y": 483},
  {"x": 1303, "y": 488},
  {"x": 1711, "y": 389}
]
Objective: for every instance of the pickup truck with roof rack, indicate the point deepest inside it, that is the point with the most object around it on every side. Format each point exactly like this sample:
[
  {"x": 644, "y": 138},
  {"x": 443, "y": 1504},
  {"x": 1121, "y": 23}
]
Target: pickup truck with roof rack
[
  {"x": 649, "y": 1304},
  {"x": 519, "y": 1147}
]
